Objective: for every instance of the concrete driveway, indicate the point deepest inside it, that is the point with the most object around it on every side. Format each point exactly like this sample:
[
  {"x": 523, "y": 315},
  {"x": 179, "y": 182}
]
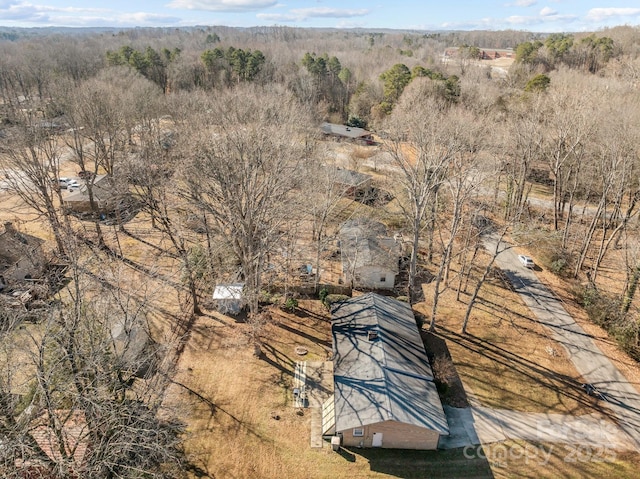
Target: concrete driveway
[
  {"x": 483, "y": 425},
  {"x": 623, "y": 398}
]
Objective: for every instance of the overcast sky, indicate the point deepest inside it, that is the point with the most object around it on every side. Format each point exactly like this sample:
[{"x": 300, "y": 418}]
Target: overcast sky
[{"x": 533, "y": 15}]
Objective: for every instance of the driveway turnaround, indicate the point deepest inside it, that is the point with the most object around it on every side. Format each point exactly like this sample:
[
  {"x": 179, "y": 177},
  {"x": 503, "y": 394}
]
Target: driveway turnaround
[
  {"x": 622, "y": 397},
  {"x": 483, "y": 425}
]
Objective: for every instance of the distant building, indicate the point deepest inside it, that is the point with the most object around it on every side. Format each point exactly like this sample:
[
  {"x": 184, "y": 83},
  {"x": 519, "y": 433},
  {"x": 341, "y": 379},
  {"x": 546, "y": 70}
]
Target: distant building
[
  {"x": 107, "y": 196},
  {"x": 347, "y": 132},
  {"x": 353, "y": 183},
  {"x": 384, "y": 394},
  {"x": 369, "y": 257},
  {"x": 484, "y": 53}
]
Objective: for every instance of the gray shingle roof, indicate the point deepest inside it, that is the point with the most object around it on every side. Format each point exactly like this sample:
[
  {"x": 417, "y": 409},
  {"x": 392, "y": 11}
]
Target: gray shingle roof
[
  {"x": 345, "y": 131},
  {"x": 103, "y": 189},
  {"x": 364, "y": 242},
  {"x": 351, "y": 178},
  {"x": 383, "y": 379}
]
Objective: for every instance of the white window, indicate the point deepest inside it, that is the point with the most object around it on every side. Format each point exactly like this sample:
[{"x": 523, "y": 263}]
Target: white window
[{"x": 358, "y": 432}]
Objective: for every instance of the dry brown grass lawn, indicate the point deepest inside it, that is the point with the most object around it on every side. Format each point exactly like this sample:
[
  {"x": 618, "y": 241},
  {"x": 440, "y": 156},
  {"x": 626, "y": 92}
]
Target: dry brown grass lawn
[
  {"x": 507, "y": 360},
  {"x": 229, "y": 398}
]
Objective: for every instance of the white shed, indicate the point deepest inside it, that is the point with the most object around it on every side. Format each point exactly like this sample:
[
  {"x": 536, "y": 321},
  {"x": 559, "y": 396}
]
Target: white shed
[{"x": 229, "y": 298}]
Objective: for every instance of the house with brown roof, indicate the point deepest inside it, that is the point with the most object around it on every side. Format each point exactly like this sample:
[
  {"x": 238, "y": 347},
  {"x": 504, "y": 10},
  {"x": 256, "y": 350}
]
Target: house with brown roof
[{"x": 61, "y": 436}]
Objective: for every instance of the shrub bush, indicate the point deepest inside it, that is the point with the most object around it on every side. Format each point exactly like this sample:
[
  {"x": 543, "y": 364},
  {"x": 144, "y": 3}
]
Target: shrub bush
[
  {"x": 324, "y": 292},
  {"x": 331, "y": 299},
  {"x": 291, "y": 304},
  {"x": 604, "y": 310},
  {"x": 549, "y": 251}
]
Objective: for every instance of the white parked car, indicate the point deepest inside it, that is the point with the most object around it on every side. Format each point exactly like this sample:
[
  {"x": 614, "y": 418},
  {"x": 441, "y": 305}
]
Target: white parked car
[
  {"x": 68, "y": 183},
  {"x": 526, "y": 261}
]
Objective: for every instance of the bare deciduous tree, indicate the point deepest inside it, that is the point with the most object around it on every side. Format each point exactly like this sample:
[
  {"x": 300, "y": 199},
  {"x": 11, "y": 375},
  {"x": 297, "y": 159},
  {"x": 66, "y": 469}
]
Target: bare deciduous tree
[
  {"x": 31, "y": 157},
  {"x": 424, "y": 137},
  {"x": 86, "y": 414},
  {"x": 244, "y": 167}
]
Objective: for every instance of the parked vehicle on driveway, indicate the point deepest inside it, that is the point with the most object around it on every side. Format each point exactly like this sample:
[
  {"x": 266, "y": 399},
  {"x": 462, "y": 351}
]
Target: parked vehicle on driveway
[
  {"x": 68, "y": 183},
  {"x": 526, "y": 261}
]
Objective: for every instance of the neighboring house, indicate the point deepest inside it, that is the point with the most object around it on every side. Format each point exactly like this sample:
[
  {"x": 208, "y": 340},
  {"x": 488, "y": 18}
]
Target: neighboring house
[
  {"x": 106, "y": 196},
  {"x": 21, "y": 256},
  {"x": 347, "y": 132},
  {"x": 71, "y": 434},
  {"x": 369, "y": 257},
  {"x": 352, "y": 183},
  {"x": 384, "y": 394},
  {"x": 229, "y": 298},
  {"x": 484, "y": 54}
]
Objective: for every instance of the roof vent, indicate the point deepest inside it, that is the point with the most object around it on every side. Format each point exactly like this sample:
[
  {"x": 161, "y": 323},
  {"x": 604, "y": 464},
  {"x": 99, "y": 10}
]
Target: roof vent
[{"x": 373, "y": 335}]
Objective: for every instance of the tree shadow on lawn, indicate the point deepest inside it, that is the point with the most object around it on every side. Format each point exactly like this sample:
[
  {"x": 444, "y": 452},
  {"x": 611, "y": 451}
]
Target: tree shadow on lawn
[
  {"x": 306, "y": 314},
  {"x": 160, "y": 249},
  {"x": 561, "y": 384},
  {"x": 310, "y": 337},
  {"x": 279, "y": 361},
  {"x": 410, "y": 464},
  {"x": 215, "y": 409}
]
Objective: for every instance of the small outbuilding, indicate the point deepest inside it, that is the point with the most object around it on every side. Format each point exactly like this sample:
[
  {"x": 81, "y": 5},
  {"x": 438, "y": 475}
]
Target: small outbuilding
[
  {"x": 133, "y": 348},
  {"x": 229, "y": 298},
  {"x": 384, "y": 394}
]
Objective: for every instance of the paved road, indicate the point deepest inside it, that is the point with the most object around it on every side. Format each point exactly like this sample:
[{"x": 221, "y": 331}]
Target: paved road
[{"x": 622, "y": 397}]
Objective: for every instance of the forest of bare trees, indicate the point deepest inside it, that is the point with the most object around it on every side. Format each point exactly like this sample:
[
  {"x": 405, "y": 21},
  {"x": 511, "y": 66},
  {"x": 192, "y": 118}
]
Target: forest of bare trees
[{"x": 211, "y": 136}]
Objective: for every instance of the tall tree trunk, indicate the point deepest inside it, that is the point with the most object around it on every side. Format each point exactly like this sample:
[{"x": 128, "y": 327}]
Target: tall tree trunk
[{"x": 631, "y": 290}]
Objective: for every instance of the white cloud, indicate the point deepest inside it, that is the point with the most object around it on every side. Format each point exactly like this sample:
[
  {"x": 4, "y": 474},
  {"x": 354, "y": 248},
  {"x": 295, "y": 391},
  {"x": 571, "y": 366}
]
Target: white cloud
[
  {"x": 330, "y": 12},
  {"x": 26, "y": 13},
  {"x": 222, "y": 5},
  {"x": 22, "y": 13},
  {"x": 519, "y": 20},
  {"x": 539, "y": 19},
  {"x": 599, "y": 14},
  {"x": 302, "y": 14},
  {"x": 521, "y": 3},
  {"x": 144, "y": 18},
  {"x": 547, "y": 11},
  {"x": 277, "y": 17}
]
